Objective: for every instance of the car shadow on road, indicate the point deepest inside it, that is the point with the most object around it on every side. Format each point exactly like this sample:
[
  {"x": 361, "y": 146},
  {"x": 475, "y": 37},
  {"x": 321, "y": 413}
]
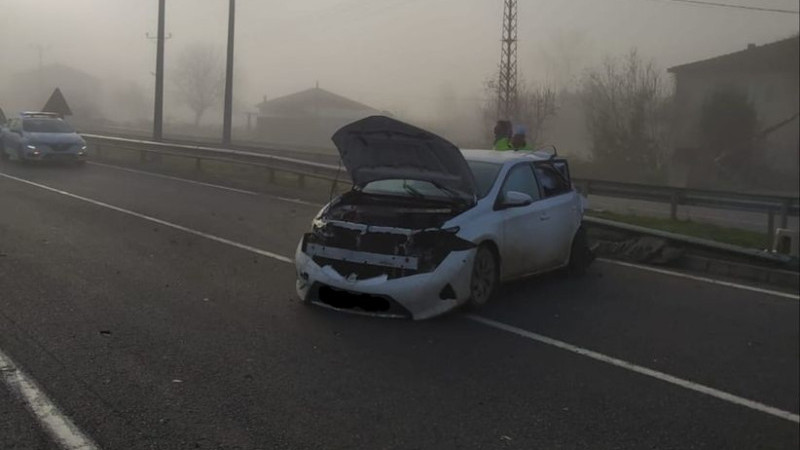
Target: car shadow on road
[{"x": 546, "y": 295}]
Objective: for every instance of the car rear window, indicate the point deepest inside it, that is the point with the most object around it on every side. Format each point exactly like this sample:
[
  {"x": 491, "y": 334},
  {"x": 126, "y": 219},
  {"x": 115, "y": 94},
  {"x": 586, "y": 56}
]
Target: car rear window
[
  {"x": 46, "y": 126},
  {"x": 485, "y": 174}
]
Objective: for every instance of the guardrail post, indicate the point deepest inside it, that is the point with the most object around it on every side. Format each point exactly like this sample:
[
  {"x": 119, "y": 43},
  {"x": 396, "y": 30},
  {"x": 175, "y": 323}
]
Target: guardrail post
[
  {"x": 271, "y": 175},
  {"x": 785, "y": 214},
  {"x": 198, "y": 165},
  {"x": 673, "y": 205},
  {"x": 301, "y": 180},
  {"x": 142, "y": 156},
  {"x": 98, "y": 150},
  {"x": 770, "y": 228}
]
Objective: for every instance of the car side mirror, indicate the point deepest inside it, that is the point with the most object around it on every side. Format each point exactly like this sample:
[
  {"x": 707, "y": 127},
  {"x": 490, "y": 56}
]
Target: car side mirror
[{"x": 514, "y": 199}]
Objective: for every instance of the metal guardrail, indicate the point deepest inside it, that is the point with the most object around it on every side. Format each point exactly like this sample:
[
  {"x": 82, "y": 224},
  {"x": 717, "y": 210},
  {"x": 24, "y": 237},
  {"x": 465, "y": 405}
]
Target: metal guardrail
[
  {"x": 302, "y": 169},
  {"x": 771, "y": 206}
]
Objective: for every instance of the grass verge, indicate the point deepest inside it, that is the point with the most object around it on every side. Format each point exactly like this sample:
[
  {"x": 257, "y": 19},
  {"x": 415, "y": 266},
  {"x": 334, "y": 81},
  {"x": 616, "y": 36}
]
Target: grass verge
[{"x": 734, "y": 236}]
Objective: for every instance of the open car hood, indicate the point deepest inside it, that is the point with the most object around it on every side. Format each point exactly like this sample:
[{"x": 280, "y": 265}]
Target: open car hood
[{"x": 382, "y": 148}]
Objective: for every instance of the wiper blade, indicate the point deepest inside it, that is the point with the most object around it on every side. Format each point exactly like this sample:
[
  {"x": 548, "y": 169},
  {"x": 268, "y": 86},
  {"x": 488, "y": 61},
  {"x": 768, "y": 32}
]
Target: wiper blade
[
  {"x": 452, "y": 193},
  {"x": 413, "y": 191}
]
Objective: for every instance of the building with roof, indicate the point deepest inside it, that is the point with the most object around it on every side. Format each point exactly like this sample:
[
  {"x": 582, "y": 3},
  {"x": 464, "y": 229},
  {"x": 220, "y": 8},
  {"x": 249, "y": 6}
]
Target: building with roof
[
  {"x": 769, "y": 76},
  {"x": 308, "y": 118},
  {"x": 29, "y": 90}
]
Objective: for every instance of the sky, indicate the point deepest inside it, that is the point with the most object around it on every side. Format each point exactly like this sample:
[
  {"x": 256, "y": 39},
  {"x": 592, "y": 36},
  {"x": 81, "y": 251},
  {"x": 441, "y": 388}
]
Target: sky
[{"x": 396, "y": 55}]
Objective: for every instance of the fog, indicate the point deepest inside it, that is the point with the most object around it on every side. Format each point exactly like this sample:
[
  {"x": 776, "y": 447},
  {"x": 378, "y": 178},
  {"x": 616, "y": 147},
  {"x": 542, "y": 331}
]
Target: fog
[{"x": 408, "y": 57}]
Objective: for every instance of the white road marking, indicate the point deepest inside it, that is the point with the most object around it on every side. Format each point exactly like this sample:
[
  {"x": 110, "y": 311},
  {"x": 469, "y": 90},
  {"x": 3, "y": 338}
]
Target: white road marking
[
  {"x": 167, "y": 177},
  {"x": 297, "y": 200},
  {"x": 686, "y": 384},
  {"x": 200, "y": 183},
  {"x": 56, "y": 424},
  {"x": 743, "y": 287},
  {"x": 494, "y": 324},
  {"x": 155, "y": 220}
]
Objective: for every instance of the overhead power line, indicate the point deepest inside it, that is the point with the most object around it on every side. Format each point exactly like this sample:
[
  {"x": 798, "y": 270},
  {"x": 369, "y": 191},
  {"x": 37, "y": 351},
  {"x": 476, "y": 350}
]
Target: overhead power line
[{"x": 745, "y": 7}]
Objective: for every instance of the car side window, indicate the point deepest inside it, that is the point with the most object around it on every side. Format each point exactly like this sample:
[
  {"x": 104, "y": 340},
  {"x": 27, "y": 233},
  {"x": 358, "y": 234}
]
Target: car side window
[
  {"x": 521, "y": 179},
  {"x": 551, "y": 181},
  {"x": 15, "y": 125}
]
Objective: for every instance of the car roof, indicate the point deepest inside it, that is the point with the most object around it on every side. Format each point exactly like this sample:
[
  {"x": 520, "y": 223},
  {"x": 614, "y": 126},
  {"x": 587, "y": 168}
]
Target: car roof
[
  {"x": 503, "y": 157},
  {"x": 39, "y": 115}
]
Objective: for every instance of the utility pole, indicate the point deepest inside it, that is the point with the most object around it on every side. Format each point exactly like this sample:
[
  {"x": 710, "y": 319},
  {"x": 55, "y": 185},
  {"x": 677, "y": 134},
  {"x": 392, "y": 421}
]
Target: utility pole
[
  {"x": 226, "y": 120},
  {"x": 507, "y": 81},
  {"x": 158, "y": 113}
]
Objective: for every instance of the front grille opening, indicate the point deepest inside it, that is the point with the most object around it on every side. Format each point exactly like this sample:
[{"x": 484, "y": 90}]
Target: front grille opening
[
  {"x": 59, "y": 157},
  {"x": 362, "y": 271},
  {"x": 351, "y": 300}
]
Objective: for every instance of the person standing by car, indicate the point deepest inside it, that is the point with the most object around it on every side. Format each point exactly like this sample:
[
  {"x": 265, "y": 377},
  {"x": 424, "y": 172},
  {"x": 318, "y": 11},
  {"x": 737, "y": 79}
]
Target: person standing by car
[
  {"x": 502, "y": 135},
  {"x": 518, "y": 140}
]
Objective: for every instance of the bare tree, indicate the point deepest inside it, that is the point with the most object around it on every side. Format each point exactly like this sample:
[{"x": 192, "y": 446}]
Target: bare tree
[
  {"x": 198, "y": 78},
  {"x": 536, "y": 105},
  {"x": 627, "y": 110}
]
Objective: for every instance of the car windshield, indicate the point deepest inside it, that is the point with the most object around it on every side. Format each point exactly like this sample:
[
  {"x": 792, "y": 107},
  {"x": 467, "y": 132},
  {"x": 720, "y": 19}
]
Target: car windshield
[
  {"x": 408, "y": 188},
  {"x": 46, "y": 126},
  {"x": 485, "y": 174}
]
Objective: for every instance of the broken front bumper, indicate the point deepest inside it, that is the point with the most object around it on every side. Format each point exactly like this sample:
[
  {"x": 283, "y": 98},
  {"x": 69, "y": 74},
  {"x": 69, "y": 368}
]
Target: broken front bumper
[{"x": 418, "y": 296}]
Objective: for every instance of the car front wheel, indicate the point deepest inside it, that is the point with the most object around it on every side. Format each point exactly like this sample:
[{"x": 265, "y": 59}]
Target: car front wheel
[{"x": 485, "y": 277}]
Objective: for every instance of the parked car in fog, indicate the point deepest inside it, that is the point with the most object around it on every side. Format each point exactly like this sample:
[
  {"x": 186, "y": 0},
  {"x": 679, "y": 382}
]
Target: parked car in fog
[{"x": 41, "y": 136}]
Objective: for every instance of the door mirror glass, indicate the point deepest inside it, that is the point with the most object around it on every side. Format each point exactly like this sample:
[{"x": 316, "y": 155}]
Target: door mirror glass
[{"x": 513, "y": 199}]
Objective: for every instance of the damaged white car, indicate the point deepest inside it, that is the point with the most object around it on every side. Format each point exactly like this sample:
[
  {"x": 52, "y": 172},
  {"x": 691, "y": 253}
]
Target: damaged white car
[{"x": 428, "y": 227}]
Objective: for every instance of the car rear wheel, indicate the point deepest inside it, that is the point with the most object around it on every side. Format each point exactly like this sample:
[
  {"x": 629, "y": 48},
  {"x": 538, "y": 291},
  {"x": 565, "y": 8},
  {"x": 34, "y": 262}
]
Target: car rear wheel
[
  {"x": 485, "y": 277},
  {"x": 580, "y": 255}
]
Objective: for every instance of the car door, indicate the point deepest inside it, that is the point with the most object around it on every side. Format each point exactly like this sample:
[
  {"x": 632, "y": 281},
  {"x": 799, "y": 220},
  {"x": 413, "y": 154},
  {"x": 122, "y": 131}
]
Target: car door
[
  {"x": 561, "y": 206},
  {"x": 526, "y": 231}
]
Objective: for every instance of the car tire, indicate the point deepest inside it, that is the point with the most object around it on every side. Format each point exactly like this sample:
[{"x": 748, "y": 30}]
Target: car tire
[
  {"x": 580, "y": 255},
  {"x": 485, "y": 277}
]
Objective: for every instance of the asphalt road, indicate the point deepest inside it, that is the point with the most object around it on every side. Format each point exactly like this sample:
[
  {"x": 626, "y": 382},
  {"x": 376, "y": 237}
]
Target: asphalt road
[{"x": 148, "y": 336}]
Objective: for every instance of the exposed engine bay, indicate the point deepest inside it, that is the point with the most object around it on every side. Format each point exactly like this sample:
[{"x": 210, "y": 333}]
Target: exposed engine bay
[{"x": 365, "y": 236}]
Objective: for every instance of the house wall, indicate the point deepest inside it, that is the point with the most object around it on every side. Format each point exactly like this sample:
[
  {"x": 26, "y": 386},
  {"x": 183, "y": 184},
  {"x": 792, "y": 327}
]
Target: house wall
[
  {"x": 29, "y": 91},
  {"x": 774, "y": 96},
  {"x": 301, "y": 131}
]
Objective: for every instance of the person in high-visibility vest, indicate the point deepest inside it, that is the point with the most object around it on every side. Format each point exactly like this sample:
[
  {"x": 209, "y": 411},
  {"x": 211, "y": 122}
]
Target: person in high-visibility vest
[
  {"x": 502, "y": 135},
  {"x": 518, "y": 140}
]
